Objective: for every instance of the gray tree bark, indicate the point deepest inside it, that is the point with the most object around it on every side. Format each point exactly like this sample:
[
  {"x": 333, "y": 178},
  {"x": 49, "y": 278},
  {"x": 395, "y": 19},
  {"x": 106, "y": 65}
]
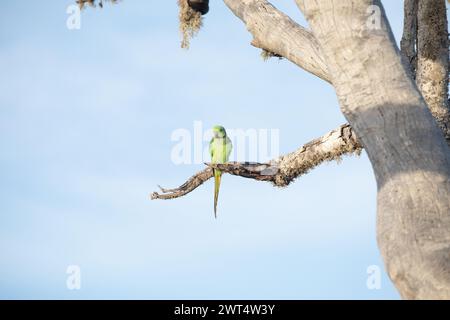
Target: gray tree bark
[
  {"x": 409, "y": 39},
  {"x": 408, "y": 152},
  {"x": 432, "y": 59},
  {"x": 275, "y": 32}
]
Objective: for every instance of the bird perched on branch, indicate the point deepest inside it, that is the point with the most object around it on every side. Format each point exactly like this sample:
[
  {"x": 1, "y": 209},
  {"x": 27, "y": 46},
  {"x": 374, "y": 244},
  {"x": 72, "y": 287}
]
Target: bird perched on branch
[{"x": 219, "y": 148}]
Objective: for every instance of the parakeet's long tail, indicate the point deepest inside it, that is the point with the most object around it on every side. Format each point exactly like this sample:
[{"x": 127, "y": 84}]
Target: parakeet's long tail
[{"x": 217, "y": 178}]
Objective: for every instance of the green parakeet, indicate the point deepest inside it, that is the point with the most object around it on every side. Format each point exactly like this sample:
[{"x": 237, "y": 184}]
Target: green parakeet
[{"x": 219, "y": 149}]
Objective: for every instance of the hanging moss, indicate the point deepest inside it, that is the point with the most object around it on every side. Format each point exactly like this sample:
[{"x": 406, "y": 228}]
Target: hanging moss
[{"x": 190, "y": 22}]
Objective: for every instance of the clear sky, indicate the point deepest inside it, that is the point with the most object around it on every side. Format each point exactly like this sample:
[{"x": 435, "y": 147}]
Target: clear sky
[{"x": 86, "y": 118}]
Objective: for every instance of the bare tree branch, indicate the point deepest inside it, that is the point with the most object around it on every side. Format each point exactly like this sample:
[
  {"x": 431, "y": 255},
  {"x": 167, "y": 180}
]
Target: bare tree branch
[
  {"x": 191, "y": 184},
  {"x": 275, "y": 32},
  {"x": 281, "y": 171}
]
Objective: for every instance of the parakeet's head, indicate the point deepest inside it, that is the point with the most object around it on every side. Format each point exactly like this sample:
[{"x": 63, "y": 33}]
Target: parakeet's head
[{"x": 219, "y": 132}]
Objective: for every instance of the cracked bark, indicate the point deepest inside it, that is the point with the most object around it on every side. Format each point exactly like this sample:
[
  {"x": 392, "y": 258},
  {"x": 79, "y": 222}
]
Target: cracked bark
[
  {"x": 409, "y": 37},
  {"x": 432, "y": 60}
]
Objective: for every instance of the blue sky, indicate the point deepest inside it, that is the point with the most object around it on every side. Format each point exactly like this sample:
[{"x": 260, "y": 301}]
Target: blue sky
[{"x": 86, "y": 118}]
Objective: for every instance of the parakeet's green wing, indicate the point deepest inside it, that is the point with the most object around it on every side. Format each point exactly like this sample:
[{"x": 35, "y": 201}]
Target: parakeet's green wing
[
  {"x": 211, "y": 148},
  {"x": 220, "y": 150}
]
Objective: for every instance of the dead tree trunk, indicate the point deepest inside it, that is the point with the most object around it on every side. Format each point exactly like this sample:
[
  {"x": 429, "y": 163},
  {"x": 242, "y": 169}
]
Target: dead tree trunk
[{"x": 408, "y": 152}]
